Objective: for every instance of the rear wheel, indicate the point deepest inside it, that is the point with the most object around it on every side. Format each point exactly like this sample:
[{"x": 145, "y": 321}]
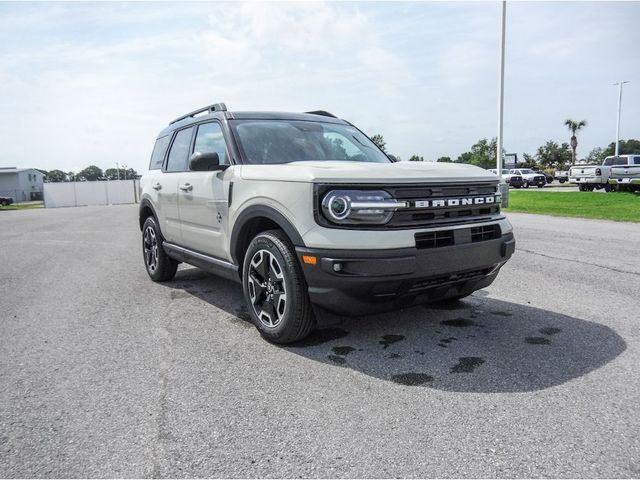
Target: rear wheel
[
  {"x": 611, "y": 188},
  {"x": 275, "y": 289},
  {"x": 159, "y": 265}
]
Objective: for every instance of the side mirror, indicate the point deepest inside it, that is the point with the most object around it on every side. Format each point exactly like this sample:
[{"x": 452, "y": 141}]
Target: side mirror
[{"x": 205, "y": 162}]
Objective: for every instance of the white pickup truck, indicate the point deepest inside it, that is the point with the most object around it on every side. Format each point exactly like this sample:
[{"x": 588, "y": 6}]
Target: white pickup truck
[
  {"x": 625, "y": 172},
  {"x": 591, "y": 177}
]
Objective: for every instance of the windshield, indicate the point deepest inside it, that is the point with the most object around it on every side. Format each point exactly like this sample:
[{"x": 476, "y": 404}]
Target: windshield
[
  {"x": 527, "y": 170},
  {"x": 284, "y": 141},
  {"x": 615, "y": 161}
]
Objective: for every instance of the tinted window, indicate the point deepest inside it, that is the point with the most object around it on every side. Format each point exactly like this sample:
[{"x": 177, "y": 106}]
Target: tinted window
[
  {"x": 210, "y": 139},
  {"x": 615, "y": 161},
  {"x": 284, "y": 141},
  {"x": 179, "y": 152},
  {"x": 157, "y": 157},
  {"x": 636, "y": 160}
]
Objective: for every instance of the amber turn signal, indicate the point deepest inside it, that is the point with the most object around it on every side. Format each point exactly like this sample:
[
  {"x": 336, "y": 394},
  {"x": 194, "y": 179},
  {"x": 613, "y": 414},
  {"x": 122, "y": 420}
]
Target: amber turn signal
[{"x": 309, "y": 259}]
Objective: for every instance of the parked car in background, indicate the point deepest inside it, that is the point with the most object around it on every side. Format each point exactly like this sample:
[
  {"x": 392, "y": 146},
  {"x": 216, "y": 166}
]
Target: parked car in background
[
  {"x": 625, "y": 176},
  {"x": 530, "y": 177},
  {"x": 548, "y": 178},
  {"x": 562, "y": 175},
  {"x": 596, "y": 177},
  {"x": 509, "y": 178},
  {"x": 4, "y": 201}
]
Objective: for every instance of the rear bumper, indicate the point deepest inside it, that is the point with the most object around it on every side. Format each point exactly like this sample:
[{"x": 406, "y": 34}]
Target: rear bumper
[
  {"x": 596, "y": 180},
  {"x": 624, "y": 181},
  {"x": 359, "y": 282}
]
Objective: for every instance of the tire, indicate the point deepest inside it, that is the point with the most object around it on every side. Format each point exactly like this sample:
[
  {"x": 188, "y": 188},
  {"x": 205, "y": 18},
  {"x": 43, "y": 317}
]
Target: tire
[
  {"x": 275, "y": 289},
  {"x": 562, "y": 181},
  {"x": 610, "y": 188},
  {"x": 582, "y": 187},
  {"x": 517, "y": 186},
  {"x": 540, "y": 186},
  {"x": 159, "y": 265}
]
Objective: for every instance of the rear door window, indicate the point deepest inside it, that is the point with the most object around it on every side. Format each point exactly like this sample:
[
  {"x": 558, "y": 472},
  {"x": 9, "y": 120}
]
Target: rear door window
[
  {"x": 179, "y": 153},
  {"x": 159, "y": 151}
]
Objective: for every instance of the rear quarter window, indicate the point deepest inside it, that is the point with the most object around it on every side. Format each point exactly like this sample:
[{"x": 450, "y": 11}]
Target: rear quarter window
[{"x": 159, "y": 151}]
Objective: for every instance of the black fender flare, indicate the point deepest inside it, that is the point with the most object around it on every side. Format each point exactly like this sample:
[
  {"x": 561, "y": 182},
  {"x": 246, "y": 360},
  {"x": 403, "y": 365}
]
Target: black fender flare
[
  {"x": 146, "y": 203},
  {"x": 264, "y": 211}
]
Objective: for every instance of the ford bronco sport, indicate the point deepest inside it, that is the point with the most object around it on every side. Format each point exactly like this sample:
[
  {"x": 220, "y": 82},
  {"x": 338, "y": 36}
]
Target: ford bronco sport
[{"x": 306, "y": 211}]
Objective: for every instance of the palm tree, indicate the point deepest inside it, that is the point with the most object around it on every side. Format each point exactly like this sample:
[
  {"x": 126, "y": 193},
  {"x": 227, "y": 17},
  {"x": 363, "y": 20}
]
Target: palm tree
[{"x": 574, "y": 127}]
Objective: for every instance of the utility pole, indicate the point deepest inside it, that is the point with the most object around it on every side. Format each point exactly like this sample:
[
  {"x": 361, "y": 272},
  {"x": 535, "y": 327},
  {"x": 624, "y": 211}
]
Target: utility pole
[
  {"x": 118, "y": 168},
  {"x": 125, "y": 171},
  {"x": 620, "y": 83},
  {"x": 501, "y": 94}
]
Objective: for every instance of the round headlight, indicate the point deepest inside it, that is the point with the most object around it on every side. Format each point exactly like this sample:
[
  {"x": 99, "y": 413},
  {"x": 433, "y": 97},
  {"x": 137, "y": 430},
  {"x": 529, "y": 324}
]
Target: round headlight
[{"x": 338, "y": 206}]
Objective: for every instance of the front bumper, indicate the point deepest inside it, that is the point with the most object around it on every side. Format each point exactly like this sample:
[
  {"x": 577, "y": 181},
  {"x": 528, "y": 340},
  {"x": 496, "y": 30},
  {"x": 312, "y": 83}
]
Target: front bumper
[{"x": 359, "y": 282}]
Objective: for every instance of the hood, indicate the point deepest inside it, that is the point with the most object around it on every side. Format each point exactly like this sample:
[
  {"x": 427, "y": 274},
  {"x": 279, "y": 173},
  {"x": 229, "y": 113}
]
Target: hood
[{"x": 368, "y": 172}]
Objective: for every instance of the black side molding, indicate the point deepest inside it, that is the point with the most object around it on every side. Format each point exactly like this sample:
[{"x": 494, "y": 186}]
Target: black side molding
[{"x": 208, "y": 263}]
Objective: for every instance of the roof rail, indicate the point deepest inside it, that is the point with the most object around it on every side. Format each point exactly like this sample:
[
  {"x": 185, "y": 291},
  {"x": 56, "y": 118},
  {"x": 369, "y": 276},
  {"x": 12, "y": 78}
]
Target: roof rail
[
  {"x": 323, "y": 113},
  {"x": 216, "y": 107}
]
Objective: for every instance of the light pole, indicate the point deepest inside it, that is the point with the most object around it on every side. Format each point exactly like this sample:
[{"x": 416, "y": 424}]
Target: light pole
[
  {"x": 620, "y": 83},
  {"x": 504, "y": 188},
  {"x": 118, "y": 169},
  {"x": 125, "y": 171}
]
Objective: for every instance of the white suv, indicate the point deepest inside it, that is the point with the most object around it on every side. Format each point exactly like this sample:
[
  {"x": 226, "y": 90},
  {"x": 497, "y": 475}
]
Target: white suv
[{"x": 306, "y": 211}]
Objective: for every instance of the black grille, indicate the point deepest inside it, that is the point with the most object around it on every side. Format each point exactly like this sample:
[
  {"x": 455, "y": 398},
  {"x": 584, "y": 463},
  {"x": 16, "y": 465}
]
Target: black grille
[
  {"x": 485, "y": 232},
  {"x": 418, "y": 217},
  {"x": 442, "y": 238}
]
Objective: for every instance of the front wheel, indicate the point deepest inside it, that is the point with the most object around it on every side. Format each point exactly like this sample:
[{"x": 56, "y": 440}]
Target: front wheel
[
  {"x": 275, "y": 289},
  {"x": 159, "y": 265},
  {"x": 525, "y": 185}
]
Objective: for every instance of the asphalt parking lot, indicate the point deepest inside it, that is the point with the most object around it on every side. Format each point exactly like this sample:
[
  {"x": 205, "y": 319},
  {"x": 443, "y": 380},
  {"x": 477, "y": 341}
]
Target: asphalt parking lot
[{"x": 106, "y": 374}]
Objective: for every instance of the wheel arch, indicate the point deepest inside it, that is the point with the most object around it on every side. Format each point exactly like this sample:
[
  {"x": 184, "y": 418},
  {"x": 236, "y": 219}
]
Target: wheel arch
[
  {"x": 256, "y": 219},
  {"x": 146, "y": 210}
]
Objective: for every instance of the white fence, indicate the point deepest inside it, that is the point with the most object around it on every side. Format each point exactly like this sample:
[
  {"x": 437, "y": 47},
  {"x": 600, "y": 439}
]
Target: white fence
[{"x": 76, "y": 194}]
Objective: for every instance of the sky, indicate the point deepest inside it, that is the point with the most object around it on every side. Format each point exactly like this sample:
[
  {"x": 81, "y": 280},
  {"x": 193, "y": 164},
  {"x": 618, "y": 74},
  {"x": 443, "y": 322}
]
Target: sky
[{"x": 93, "y": 83}]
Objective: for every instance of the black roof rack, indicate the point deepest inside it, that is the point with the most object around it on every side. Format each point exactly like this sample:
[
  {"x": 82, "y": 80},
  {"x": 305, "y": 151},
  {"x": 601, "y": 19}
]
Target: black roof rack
[
  {"x": 216, "y": 107},
  {"x": 323, "y": 113}
]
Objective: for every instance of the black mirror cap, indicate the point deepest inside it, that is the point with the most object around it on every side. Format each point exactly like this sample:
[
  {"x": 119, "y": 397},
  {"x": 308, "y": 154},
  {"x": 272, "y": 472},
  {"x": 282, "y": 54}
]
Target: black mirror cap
[{"x": 205, "y": 162}]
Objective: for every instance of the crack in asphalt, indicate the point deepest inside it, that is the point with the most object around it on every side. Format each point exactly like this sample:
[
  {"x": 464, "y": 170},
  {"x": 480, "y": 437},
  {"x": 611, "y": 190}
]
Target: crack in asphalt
[{"x": 613, "y": 269}]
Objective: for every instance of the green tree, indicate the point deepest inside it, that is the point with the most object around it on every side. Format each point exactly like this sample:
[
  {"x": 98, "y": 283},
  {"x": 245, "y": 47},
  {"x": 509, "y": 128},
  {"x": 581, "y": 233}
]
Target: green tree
[
  {"x": 597, "y": 155},
  {"x": 482, "y": 154},
  {"x": 444, "y": 160},
  {"x": 112, "y": 173},
  {"x": 55, "y": 176},
  {"x": 528, "y": 161},
  {"x": 574, "y": 126},
  {"x": 416, "y": 158},
  {"x": 552, "y": 155},
  {"x": 378, "y": 139},
  {"x": 626, "y": 147},
  {"x": 90, "y": 174}
]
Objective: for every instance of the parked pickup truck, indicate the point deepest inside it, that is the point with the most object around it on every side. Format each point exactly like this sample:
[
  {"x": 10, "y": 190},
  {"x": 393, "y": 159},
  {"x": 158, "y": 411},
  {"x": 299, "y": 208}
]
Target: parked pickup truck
[
  {"x": 625, "y": 176},
  {"x": 562, "y": 176},
  {"x": 4, "y": 201},
  {"x": 590, "y": 177},
  {"x": 530, "y": 177},
  {"x": 509, "y": 178}
]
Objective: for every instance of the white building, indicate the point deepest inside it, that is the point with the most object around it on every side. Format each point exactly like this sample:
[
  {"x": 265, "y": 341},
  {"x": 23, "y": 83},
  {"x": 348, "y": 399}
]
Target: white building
[{"x": 21, "y": 184}]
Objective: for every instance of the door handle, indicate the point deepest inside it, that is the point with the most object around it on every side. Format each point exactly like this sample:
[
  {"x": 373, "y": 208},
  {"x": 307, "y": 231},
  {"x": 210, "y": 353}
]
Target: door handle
[
  {"x": 187, "y": 187},
  {"x": 157, "y": 186}
]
